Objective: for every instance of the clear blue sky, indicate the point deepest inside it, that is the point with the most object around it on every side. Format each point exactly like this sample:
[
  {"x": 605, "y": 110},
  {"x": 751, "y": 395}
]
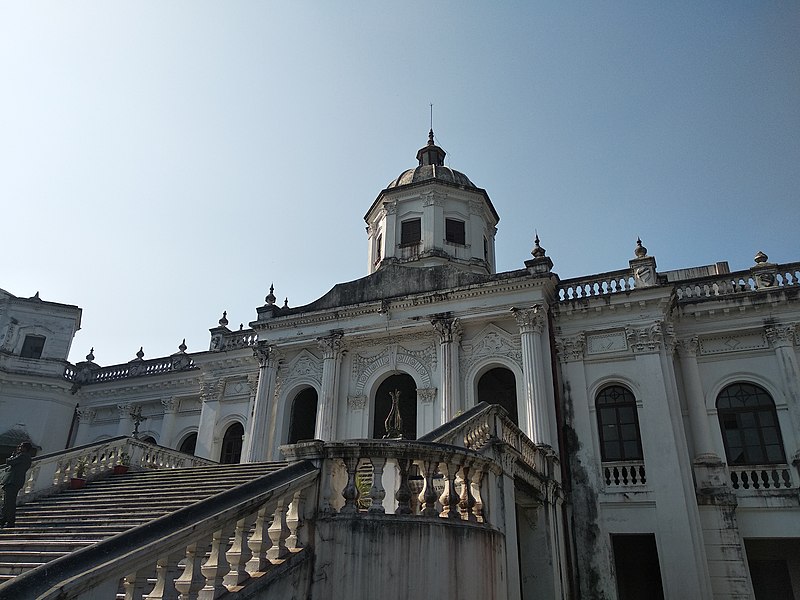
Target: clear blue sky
[{"x": 161, "y": 162}]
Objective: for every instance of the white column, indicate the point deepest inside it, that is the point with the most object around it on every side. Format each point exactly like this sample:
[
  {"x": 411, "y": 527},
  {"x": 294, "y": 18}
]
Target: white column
[
  {"x": 125, "y": 425},
  {"x": 259, "y": 426},
  {"x": 209, "y": 400},
  {"x": 782, "y": 339},
  {"x": 168, "y": 423},
  {"x": 695, "y": 400},
  {"x": 332, "y": 348},
  {"x": 252, "y": 382},
  {"x": 531, "y": 323},
  {"x": 448, "y": 331},
  {"x": 85, "y": 418}
]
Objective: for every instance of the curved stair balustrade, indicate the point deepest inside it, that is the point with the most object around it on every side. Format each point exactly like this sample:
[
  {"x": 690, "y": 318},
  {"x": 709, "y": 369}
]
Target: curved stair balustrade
[
  {"x": 209, "y": 548},
  {"x": 52, "y": 472}
]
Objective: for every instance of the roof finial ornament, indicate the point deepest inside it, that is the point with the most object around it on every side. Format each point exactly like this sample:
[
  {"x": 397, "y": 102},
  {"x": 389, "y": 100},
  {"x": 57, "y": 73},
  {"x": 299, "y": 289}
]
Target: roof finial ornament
[
  {"x": 223, "y": 322},
  {"x": 90, "y": 356},
  {"x": 760, "y": 257},
  {"x": 640, "y": 251},
  {"x": 430, "y": 133},
  {"x": 286, "y": 302},
  {"x": 270, "y": 297},
  {"x": 140, "y": 353},
  {"x": 183, "y": 346},
  {"x": 538, "y": 251}
]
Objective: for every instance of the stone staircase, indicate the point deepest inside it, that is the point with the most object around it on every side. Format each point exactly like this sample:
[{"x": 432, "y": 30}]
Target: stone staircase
[{"x": 60, "y": 524}]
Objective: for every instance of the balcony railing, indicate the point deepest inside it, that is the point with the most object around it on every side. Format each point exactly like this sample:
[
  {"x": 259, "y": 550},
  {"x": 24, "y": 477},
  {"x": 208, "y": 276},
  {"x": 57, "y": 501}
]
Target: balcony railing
[
  {"x": 760, "y": 477},
  {"x": 624, "y": 474}
]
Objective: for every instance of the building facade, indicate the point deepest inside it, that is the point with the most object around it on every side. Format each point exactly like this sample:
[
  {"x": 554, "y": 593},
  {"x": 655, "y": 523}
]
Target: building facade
[{"x": 670, "y": 400}]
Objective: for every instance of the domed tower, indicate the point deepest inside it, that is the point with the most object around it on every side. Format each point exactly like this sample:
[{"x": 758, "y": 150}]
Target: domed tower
[{"x": 432, "y": 215}]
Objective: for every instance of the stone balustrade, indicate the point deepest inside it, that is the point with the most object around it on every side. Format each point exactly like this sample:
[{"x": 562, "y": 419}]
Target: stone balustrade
[
  {"x": 201, "y": 551},
  {"x": 760, "y": 477},
  {"x": 244, "y": 338},
  {"x": 602, "y": 284},
  {"x": 136, "y": 368},
  {"x": 416, "y": 479},
  {"x": 624, "y": 474},
  {"x": 758, "y": 278},
  {"x": 50, "y": 472}
]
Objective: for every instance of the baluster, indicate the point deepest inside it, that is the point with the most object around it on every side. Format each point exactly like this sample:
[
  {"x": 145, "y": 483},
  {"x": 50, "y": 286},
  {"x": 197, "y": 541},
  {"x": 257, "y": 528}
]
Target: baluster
[
  {"x": 216, "y": 566},
  {"x": 191, "y": 580},
  {"x": 134, "y": 585},
  {"x": 477, "y": 480},
  {"x": 449, "y": 498},
  {"x": 428, "y": 495},
  {"x": 278, "y": 532},
  {"x": 735, "y": 480},
  {"x": 167, "y": 571},
  {"x": 624, "y": 472},
  {"x": 350, "y": 491},
  {"x": 258, "y": 543},
  {"x": 377, "y": 492},
  {"x": 293, "y": 520},
  {"x": 403, "y": 494},
  {"x": 239, "y": 554},
  {"x": 765, "y": 483},
  {"x": 467, "y": 501},
  {"x": 616, "y": 475},
  {"x": 787, "y": 482}
]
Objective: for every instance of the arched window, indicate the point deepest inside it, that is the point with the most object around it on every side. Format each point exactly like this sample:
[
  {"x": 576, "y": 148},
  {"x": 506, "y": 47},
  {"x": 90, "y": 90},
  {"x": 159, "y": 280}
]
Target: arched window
[
  {"x": 232, "y": 445},
  {"x": 749, "y": 425},
  {"x": 303, "y": 419},
  {"x": 618, "y": 424},
  {"x": 149, "y": 439},
  {"x": 188, "y": 444},
  {"x": 407, "y": 404},
  {"x": 499, "y": 386}
]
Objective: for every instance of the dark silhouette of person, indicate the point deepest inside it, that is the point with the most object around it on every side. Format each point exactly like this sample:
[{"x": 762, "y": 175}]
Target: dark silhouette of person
[{"x": 13, "y": 480}]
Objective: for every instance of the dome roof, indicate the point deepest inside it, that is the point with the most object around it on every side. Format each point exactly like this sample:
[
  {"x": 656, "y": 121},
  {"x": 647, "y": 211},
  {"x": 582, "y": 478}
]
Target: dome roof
[{"x": 426, "y": 172}]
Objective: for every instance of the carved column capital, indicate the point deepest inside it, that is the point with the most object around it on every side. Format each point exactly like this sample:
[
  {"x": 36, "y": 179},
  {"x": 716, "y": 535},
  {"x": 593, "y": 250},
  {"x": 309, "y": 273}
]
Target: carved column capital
[
  {"x": 357, "y": 402},
  {"x": 124, "y": 410},
  {"x": 782, "y": 335},
  {"x": 448, "y": 329},
  {"x": 571, "y": 348},
  {"x": 530, "y": 320},
  {"x": 170, "y": 405},
  {"x": 331, "y": 345},
  {"x": 211, "y": 390},
  {"x": 688, "y": 347},
  {"x": 266, "y": 355},
  {"x": 86, "y": 414},
  {"x": 426, "y": 395},
  {"x": 645, "y": 339}
]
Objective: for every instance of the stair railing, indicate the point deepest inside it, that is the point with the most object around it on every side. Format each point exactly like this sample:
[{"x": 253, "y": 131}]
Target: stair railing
[
  {"x": 52, "y": 472},
  {"x": 204, "y": 550}
]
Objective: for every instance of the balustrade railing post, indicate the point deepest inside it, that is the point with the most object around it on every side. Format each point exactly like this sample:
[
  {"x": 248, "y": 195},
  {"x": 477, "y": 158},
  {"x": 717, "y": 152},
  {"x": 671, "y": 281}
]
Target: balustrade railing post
[
  {"x": 216, "y": 566},
  {"x": 239, "y": 553},
  {"x": 449, "y": 499},
  {"x": 428, "y": 495},
  {"x": 134, "y": 585},
  {"x": 377, "y": 493},
  {"x": 167, "y": 572},
  {"x": 403, "y": 493},
  {"x": 467, "y": 500},
  {"x": 475, "y": 484},
  {"x": 278, "y": 532},
  {"x": 350, "y": 491},
  {"x": 258, "y": 542},
  {"x": 191, "y": 580}
]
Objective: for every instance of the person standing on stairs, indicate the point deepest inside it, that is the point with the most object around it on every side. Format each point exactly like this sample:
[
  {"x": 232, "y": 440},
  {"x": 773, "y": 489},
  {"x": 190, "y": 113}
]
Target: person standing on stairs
[{"x": 12, "y": 481}]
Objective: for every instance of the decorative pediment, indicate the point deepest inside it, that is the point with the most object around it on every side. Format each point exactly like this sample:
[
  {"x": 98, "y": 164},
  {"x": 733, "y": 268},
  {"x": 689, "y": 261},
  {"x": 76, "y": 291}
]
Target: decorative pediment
[
  {"x": 421, "y": 362},
  {"x": 491, "y": 341}
]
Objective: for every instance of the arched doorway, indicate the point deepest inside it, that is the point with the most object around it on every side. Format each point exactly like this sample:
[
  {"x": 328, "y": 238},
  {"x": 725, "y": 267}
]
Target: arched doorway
[
  {"x": 407, "y": 404},
  {"x": 499, "y": 386},
  {"x": 303, "y": 419},
  {"x": 149, "y": 439},
  {"x": 188, "y": 444},
  {"x": 232, "y": 445}
]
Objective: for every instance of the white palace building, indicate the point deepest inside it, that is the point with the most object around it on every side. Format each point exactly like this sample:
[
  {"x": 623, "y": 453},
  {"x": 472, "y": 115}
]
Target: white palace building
[{"x": 435, "y": 429}]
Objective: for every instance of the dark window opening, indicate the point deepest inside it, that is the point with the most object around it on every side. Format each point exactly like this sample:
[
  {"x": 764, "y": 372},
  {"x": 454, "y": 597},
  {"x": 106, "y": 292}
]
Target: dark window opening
[
  {"x": 303, "y": 418},
  {"x": 32, "y": 346},
  {"x": 188, "y": 444},
  {"x": 499, "y": 386},
  {"x": 455, "y": 231},
  {"x": 618, "y": 423},
  {"x": 636, "y": 567},
  {"x": 378, "y": 247},
  {"x": 485, "y": 249},
  {"x": 407, "y": 405},
  {"x": 232, "y": 445},
  {"x": 410, "y": 231},
  {"x": 749, "y": 426},
  {"x": 149, "y": 439}
]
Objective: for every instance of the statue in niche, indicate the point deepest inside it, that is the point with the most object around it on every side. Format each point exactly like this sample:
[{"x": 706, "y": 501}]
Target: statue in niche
[{"x": 394, "y": 422}]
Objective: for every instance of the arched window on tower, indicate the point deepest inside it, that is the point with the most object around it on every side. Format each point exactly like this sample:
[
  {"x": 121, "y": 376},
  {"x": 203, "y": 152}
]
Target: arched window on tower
[
  {"x": 407, "y": 405},
  {"x": 749, "y": 425},
  {"x": 499, "y": 386},
  {"x": 188, "y": 444},
  {"x": 303, "y": 418},
  {"x": 232, "y": 445},
  {"x": 618, "y": 424}
]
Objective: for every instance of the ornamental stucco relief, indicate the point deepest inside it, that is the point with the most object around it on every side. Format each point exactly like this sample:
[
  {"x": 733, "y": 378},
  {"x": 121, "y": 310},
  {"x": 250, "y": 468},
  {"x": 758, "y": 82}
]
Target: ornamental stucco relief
[
  {"x": 491, "y": 342},
  {"x": 421, "y": 362}
]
